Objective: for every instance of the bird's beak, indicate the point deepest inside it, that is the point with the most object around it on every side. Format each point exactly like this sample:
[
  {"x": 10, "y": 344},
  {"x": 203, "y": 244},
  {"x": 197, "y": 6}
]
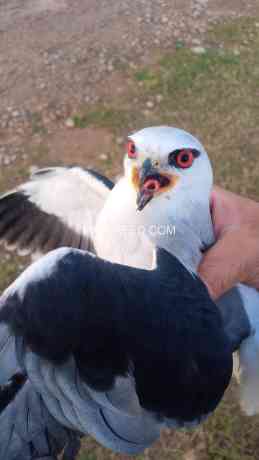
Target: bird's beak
[{"x": 150, "y": 182}]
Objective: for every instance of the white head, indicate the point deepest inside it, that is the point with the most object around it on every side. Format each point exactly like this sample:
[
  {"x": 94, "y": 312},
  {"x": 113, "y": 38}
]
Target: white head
[
  {"x": 172, "y": 177},
  {"x": 167, "y": 162}
]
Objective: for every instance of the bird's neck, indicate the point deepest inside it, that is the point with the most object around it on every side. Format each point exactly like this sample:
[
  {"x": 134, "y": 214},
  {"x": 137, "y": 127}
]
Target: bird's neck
[{"x": 183, "y": 229}]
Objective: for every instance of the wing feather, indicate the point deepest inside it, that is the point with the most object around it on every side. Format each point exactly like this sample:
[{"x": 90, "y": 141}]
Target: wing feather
[{"x": 56, "y": 207}]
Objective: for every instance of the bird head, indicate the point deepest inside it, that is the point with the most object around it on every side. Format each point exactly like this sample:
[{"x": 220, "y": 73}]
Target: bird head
[{"x": 162, "y": 162}]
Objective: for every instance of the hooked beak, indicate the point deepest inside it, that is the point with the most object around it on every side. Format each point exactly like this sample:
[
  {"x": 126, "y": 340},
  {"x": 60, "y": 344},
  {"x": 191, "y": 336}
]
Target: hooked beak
[{"x": 151, "y": 181}]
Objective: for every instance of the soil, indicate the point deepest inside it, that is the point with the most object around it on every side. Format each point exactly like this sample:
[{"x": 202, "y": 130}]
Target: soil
[{"x": 57, "y": 55}]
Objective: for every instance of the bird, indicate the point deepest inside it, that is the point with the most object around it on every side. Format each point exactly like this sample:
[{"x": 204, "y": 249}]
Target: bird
[{"x": 162, "y": 201}]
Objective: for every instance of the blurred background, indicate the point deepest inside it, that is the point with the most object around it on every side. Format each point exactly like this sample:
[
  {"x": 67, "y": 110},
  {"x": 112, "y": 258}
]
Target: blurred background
[{"x": 77, "y": 76}]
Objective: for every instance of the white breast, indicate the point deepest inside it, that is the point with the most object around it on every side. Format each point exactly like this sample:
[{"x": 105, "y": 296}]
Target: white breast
[{"x": 120, "y": 235}]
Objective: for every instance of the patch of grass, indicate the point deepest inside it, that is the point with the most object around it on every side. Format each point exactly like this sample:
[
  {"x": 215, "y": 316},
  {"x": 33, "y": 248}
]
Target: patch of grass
[
  {"x": 231, "y": 435},
  {"x": 186, "y": 70},
  {"x": 179, "y": 44},
  {"x": 80, "y": 121},
  {"x": 9, "y": 270},
  {"x": 37, "y": 124},
  {"x": 102, "y": 117},
  {"x": 234, "y": 33},
  {"x": 148, "y": 78}
]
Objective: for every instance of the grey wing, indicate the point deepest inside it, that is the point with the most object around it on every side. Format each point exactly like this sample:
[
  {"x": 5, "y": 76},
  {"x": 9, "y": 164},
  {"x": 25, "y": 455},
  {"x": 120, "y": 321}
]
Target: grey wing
[
  {"x": 56, "y": 207},
  {"x": 235, "y": 318}
]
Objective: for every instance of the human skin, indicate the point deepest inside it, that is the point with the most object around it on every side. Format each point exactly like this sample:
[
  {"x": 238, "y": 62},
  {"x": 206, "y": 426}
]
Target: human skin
[{"x": 235, "y": 256}]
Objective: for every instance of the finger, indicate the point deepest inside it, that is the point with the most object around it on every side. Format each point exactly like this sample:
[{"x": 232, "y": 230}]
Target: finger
[
  {"x": 224, "y": 264},
  {"x": 230, "y": 211},
  {"x": 225, "y": 211}
]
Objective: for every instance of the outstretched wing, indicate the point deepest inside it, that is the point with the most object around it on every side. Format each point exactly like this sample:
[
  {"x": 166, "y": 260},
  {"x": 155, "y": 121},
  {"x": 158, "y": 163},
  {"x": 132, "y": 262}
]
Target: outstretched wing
[{"x": 56, "y": 207}]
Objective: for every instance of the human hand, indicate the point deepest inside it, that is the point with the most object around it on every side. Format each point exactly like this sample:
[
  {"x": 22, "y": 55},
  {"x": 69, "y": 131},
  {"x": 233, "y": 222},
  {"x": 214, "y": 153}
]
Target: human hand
[{"x": 235, "y": 256}]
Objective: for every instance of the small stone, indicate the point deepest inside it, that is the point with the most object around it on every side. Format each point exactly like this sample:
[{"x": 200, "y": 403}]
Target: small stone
[
  {"x": 198, "y": 50},
  {"x": 33, "y": 169},
  {"x": 110, "y": 68},
  {"x": 6, "y": 160},
  {"x": 159, "y": 98},
  {"x": 257, "y": 24},
  {"x": 196, "y": 41},
  {"x": 196, "y": 14},
  {"x": 150, "y": 104},
  {"x": 120, "y": 140},
  {"x": 70, "y": 123},
  {"x": 146, "y": 113},
  {"x": 104, "y": 157},
  {"x": 164, "y": 19},
  {"x": 15, "y": 113}
]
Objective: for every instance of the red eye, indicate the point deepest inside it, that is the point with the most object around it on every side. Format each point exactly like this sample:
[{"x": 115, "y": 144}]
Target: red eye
[
  {"x": 131, "y": 150},
  {"x": 184, "y": 159}
]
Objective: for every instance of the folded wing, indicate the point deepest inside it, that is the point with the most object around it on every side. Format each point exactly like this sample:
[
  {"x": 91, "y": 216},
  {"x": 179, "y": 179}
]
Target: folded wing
[{"x": 160, "y": 327}]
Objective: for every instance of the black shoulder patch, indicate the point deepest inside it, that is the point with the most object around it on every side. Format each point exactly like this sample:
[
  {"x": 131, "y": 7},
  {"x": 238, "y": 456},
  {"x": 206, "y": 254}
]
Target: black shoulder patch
[{"x": 109, "y": 184}]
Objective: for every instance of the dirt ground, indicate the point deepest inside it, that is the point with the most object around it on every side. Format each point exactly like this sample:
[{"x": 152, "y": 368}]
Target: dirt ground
[
  {"x": 57, "y": 56},
  {"x": 77, "y": 76}
]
